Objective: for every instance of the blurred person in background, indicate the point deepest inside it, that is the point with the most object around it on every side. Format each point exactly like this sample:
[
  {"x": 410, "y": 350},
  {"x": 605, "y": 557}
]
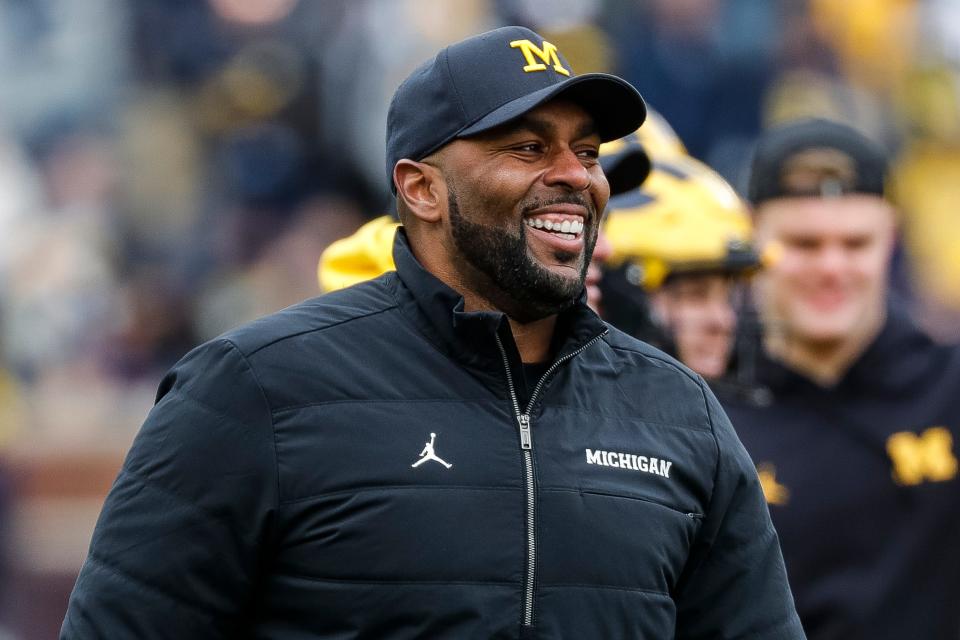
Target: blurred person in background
[
  {"x": 855, "y": 442},
  {"x": 681, "y": 250}
]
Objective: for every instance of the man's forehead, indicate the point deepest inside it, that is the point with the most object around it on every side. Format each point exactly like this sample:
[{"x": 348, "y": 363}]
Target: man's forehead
[{"x": 813, "y": 215}]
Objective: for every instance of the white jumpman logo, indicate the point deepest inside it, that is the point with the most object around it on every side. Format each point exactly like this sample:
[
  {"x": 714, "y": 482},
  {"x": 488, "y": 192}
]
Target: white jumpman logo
[{"x": 428, "y": 454}]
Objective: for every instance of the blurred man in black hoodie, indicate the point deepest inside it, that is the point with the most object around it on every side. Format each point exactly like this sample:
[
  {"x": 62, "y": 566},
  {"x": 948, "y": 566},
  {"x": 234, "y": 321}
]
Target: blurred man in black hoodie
[{"x": 855, "y": 441}]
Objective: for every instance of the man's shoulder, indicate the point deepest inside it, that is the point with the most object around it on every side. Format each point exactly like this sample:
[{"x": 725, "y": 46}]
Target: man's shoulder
[
  {"x": 331, "y": 316},
  {"x": 658, "y": 379},
  {"x": 662, "y": 385},
  {"x": 641, "y": 354}
]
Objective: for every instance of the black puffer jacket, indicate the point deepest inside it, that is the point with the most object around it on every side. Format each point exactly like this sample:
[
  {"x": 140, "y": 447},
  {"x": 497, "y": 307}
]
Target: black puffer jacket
[{"x": 354, "y": 467}]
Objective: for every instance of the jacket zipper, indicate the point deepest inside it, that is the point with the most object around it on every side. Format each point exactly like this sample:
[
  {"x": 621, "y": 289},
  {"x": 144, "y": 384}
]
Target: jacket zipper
[{"x": 526, "y": 447}]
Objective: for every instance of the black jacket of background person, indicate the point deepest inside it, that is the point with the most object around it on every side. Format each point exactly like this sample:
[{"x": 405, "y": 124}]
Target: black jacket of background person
[
  {"x": 272, "y": 491},
  {"x": 864, "y": 490}
]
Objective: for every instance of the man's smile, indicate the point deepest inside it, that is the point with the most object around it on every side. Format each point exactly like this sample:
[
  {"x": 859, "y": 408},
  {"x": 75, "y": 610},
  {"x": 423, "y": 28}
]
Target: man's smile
[
  {"x": 565, "y": 227},
  {"x": 560, "y": 226}
]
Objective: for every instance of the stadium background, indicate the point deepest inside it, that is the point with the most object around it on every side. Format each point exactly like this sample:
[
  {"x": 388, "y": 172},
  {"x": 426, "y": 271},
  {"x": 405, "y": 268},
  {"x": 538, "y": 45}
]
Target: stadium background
[{"x": 172, "y": 168}]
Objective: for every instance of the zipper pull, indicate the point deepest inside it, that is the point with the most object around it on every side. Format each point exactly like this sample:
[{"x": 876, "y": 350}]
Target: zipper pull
[{"x": 526, "y": 442}]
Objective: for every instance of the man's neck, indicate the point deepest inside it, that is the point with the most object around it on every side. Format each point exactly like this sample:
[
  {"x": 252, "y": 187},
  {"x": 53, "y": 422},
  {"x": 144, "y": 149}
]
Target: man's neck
[
  {"x": 824, "y": 362},
  {"x": 533, "y": 338}
]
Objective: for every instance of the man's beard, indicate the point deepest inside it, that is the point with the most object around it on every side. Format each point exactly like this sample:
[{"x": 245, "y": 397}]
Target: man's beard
[{"x": 509, "y": 277}]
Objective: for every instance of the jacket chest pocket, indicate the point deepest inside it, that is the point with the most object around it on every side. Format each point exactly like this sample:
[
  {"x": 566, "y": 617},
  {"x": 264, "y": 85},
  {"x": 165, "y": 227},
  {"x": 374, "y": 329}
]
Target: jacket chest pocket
[{"x": 613, "y": 541}]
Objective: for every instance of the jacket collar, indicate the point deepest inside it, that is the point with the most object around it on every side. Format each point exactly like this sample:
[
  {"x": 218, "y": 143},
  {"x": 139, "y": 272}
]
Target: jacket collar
[{"x": 470, "y": 337}]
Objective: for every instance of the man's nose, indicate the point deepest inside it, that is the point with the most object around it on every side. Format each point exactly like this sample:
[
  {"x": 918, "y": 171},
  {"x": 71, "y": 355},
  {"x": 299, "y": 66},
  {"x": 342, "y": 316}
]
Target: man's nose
[
  {"x": 566, "y": 169},
  {"x": 720, "y": 315},
  {"x": 831, "y": 259}
]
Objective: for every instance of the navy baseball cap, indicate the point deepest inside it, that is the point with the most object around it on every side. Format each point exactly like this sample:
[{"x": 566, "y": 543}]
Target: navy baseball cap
[
  {"x": 487, "y": 80},
  {"x": 815, "y": 157}
]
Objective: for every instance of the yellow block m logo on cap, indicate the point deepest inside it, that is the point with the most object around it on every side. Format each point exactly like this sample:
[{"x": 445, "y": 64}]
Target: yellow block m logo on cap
[
  {"x": 928, "y": 456},
  {"x": 548, "y": 55}
]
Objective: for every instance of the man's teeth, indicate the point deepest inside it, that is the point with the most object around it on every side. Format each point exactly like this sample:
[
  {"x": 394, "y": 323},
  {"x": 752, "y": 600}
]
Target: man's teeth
[{"x": 567, "y": 226}]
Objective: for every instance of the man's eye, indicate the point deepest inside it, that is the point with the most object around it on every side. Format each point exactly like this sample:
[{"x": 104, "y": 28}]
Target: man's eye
[
  {"x": 589, "y": 153},
  {"x": 530, "y": 147}
]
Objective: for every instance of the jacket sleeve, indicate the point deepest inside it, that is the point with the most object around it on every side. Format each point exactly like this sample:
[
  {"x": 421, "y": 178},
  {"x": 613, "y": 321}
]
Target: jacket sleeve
[
  {"x": 183, "y": 532},
  {"x": 735, "y": 585}
]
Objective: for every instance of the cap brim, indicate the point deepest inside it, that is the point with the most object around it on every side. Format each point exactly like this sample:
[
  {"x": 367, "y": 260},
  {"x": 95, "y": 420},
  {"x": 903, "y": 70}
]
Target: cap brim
[
  {"x": 626, "y": 169},
  {"x": 615, "y": 105}
]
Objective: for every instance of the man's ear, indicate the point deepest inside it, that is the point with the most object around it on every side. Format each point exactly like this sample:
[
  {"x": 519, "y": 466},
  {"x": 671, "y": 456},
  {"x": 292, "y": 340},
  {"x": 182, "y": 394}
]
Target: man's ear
[{"x": 422, "y": 189}]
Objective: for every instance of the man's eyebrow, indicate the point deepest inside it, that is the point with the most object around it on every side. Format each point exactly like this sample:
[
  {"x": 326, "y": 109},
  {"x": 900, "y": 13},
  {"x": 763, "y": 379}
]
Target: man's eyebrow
[{"x": 523, "y": 124}]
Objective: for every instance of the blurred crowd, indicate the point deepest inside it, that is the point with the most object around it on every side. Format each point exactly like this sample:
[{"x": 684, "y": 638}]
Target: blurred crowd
[{"x": 170, "y": 169}]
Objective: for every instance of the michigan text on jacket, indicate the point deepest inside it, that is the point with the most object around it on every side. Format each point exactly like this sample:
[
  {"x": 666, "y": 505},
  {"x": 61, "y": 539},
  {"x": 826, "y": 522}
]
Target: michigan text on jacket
[{"x": 629, "y": 461}]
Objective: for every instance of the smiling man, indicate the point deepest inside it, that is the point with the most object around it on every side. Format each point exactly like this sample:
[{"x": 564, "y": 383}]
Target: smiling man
[
  {"x": 522, "y": 243},
  {"x": 575, "y": 483},
  {"x": 855, "y": 440}
]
